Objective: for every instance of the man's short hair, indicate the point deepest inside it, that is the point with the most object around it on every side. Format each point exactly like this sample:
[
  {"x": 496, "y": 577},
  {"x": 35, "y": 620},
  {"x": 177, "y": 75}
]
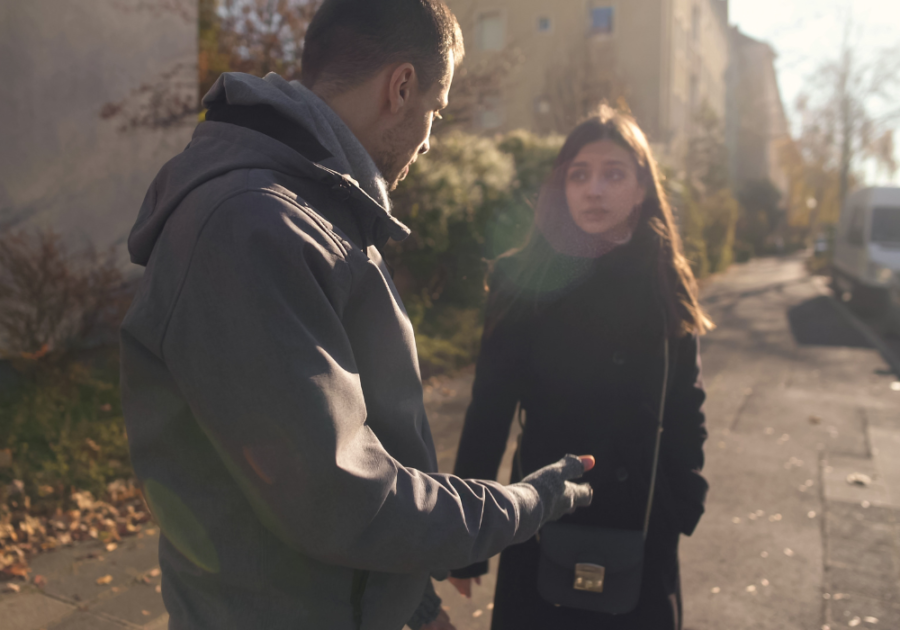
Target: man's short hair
[{"x": 349, "y": 41}]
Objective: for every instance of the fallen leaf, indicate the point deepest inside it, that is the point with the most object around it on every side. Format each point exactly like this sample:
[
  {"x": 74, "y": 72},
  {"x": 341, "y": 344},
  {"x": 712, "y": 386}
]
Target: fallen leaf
[
  {"x": 870, "y": 619},
  {"x": 839, "y": 596},
  {"x": 811, "y": 514},
  {"x": 490, "y": 606},
  {"x": 91, "y": 444},
  {"x": 40, "y": 581},
  {"x": 106, "y": 579},
  {"x": 789, "y": 553},
  {"x": 716, "y": 590},
  {"x": 859, "y": 479},
  {"x": 865, "y": 505},
  {"x": 764, "y": 582},
  {"x": 155, "y": 572},
  {"x": 764, "y": 554},
  {"x": 159, "y": 588},
  {"x": 751, "y": 588},
  {"x": 111, "y": 547},
  {"x": 477, "y": 613},
  {"x": 895, "y": 386},
  {"x": 146, "y": 613},
  {"x": 736, "y": 520},
  {"x": 9, "y": 587},
  {"x": 854, "y": 622},
  {"x": 774, "y": 518}
]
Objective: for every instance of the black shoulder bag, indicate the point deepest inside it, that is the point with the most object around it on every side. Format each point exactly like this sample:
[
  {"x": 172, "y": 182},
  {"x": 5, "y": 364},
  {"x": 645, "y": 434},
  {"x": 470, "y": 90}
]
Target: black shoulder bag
[{"x": 596, "y": 568}]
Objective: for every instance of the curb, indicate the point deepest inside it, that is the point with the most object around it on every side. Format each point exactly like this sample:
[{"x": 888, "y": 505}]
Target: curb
[{"x": 871, "y": 336}]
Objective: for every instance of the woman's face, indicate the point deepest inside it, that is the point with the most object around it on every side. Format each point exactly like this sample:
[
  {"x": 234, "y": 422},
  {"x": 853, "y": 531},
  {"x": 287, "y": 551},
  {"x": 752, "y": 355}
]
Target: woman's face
[{"x": 602, "y": 187}]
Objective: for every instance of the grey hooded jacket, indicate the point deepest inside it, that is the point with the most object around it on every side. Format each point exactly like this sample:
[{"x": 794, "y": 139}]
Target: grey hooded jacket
[{"x": 273, "y": 400}]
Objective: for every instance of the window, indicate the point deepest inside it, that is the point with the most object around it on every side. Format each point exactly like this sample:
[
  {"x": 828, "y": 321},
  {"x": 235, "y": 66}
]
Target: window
[
  {"x": 544, "y": 25},
  {"x": 886, "y": 226},
  {"x": 490, "y": 31},
  {"x": 490, "y": 115},
  {"x": 856, "y": 229},
  {"x": 602, "y": 20},
  {"x": 695, "y": 22}
]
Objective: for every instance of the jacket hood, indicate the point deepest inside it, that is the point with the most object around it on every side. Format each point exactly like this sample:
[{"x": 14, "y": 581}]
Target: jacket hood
[{"x": 219, "y": 148}]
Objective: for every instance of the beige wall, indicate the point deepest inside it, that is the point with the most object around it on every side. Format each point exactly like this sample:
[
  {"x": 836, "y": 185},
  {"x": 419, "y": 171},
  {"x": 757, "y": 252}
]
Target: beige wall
[
  {"x": 61, "y": 63},
  {"x": 761, "y": 126},
  {"x": 698, "y": 63},
  {"x": 649, "y": 59}
]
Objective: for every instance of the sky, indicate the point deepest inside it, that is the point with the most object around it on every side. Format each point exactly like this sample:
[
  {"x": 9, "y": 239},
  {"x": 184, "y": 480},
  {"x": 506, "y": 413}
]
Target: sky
[{"x": 805, "y": 33}]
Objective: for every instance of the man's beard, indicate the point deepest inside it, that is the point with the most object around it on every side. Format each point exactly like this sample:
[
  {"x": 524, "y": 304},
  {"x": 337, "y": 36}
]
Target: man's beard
[{"x": 392, "y": 161}]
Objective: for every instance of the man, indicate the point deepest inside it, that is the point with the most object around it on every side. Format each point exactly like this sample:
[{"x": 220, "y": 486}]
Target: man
[{"x": 269, "y": 375}]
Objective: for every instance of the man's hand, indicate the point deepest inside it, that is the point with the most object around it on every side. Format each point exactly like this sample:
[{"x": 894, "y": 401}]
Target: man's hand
[
  {"x": 441, "y": 623},
  {"x": 464, "y": 585}
]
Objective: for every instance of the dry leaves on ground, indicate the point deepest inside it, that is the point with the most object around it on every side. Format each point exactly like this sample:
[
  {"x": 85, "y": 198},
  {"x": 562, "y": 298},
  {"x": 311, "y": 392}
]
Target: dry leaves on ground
[{"x": 22, "y": 534}]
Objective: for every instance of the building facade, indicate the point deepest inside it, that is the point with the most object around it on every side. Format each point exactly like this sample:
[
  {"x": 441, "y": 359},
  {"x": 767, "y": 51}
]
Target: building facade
[
  {"x": 97, "y": 96},
  {"x": 664, "y": 58},
  {"x": 758, "y": 129}
]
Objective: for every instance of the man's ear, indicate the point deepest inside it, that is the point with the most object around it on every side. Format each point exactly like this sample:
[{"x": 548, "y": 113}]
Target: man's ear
[{"x": 400, "y": 88}]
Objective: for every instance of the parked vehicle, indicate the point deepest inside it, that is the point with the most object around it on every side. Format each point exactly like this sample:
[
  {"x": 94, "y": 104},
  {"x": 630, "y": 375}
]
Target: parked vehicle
[
  {"x": 892, "y": 318},
  {"x": 867, "y": 248}
]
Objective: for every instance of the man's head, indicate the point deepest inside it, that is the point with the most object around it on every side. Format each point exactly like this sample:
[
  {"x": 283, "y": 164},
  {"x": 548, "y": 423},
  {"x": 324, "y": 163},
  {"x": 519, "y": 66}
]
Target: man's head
[{"x": 385, "y": 66}]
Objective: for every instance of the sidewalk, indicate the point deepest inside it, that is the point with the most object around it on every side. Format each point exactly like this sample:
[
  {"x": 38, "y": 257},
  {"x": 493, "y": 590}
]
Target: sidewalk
[{"x": 90, "y": 588}]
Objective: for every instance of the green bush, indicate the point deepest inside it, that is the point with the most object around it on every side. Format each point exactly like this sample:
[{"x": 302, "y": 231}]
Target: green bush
[
  {"x": 469, "y": 200},
  {"x": 720, "y": 213}
]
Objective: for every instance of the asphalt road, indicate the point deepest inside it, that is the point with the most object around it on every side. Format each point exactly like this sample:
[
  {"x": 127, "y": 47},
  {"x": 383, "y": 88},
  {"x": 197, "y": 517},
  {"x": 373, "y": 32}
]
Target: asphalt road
[{"x": 799, "y": 400}]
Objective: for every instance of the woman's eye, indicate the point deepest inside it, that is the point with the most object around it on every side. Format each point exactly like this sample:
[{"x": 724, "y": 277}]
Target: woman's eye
[
  {"x": 578, "y": 176},
  {"x": 615, "y": 175}
]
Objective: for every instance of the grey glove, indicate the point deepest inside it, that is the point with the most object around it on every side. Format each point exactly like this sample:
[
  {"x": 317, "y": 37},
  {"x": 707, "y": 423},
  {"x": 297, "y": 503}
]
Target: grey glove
[{"x": 559, "y": 496}]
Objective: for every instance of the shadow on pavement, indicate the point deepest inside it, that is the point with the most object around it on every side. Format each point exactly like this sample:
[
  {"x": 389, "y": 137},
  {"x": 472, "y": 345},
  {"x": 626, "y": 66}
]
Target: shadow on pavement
[{"x": 817, "y": 323}]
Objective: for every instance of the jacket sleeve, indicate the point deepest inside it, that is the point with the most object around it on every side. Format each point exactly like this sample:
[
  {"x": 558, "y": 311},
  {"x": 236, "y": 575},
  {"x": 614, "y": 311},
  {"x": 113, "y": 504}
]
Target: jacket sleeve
[
  {"x": 256, "y": 344},
  {"x": 685, "y": 433},
  {"x": 499, "y": 375}
]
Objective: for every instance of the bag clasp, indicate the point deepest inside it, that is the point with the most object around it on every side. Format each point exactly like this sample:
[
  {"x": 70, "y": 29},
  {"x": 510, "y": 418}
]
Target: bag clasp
[{"x": 589, "y": 577}]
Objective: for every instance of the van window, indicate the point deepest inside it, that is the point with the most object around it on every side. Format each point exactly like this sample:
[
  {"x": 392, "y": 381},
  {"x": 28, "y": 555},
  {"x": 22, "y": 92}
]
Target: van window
[
  {"x": 857, "y": 228},
  {"x": 886, "y": 226}
]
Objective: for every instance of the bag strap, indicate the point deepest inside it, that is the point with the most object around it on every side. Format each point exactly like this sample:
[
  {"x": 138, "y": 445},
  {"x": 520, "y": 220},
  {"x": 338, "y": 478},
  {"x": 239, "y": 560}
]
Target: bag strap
[{"x": 659, "y": 427}]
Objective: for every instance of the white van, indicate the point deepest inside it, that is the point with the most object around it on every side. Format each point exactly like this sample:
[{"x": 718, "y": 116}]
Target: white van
[{"x": 867, "y": 247}]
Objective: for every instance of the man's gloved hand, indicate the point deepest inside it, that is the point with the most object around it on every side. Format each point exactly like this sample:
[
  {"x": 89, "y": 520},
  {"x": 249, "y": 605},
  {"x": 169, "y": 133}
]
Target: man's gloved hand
[{"x": 558, "y": 494}]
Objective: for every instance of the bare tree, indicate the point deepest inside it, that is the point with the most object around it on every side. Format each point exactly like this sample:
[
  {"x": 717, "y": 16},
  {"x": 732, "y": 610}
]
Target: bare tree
[
  {"x": 851, "y": 110},
  {"x": 253, "y": 36},
  {"x": 577, "y": 84},
  {"x": 168, "y": 98}
]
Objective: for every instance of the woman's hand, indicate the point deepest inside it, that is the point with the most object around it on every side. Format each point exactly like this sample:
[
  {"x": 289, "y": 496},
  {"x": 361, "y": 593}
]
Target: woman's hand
[
  {"x": 441, "y": 623},
  {"x": 464, "y": 585}
]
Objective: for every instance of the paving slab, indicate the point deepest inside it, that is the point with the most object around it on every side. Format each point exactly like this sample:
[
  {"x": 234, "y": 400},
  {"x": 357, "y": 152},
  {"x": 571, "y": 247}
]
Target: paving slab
[{"x": 30, "y": 611}]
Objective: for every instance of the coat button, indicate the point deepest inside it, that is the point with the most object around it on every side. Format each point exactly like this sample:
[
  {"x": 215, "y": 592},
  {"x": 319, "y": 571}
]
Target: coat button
[
  {"x": 621, "y": 474},
  {"x": 618, "y": 358}
]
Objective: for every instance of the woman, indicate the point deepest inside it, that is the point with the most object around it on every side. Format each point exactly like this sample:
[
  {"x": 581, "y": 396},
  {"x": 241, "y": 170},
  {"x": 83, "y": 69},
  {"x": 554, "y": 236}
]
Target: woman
[{"x": 575, "y": 335}]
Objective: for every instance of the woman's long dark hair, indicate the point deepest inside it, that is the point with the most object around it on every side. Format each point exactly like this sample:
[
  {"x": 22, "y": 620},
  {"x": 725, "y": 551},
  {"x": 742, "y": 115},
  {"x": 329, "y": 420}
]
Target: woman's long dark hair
[{"x": 675, "y": 280}]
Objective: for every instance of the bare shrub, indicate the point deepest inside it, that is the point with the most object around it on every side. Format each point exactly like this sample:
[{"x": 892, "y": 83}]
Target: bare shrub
[{"x": 55, "y": 301}]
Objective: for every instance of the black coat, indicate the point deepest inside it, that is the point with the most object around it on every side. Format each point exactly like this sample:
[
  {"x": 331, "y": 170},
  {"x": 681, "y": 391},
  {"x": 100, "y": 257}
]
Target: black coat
[{"x": 585, "y": 361}]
